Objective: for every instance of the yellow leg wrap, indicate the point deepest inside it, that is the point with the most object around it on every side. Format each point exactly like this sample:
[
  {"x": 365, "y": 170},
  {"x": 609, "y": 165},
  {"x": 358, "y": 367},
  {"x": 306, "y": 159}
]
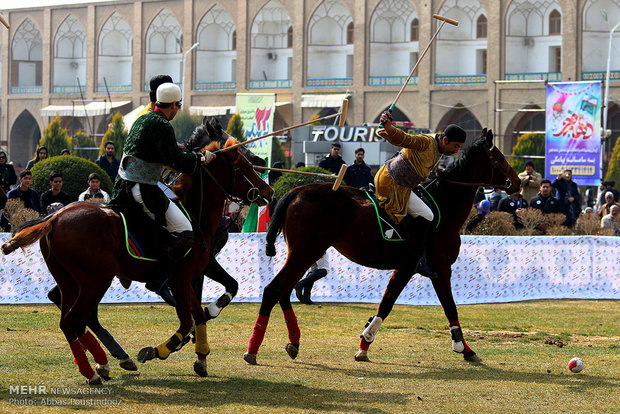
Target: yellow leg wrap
[
  {"x": 166, "y": 348},
  {"x": 202, "y": 346}
]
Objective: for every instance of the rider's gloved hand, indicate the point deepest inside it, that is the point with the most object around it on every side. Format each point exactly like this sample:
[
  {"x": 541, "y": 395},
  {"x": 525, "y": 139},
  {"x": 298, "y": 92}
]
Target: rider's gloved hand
[{"x": 207, "y": 157}]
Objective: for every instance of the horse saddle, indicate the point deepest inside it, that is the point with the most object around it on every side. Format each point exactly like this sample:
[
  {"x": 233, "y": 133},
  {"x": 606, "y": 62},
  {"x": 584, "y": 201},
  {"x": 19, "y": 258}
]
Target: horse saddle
[{"x": 392, "y": 231}]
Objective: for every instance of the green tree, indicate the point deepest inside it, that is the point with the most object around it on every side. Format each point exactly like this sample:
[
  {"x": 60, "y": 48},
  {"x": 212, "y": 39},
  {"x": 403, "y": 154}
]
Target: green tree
[
  {"x": 613, "y": 168},
  {"x": 75, "y": 172},
  {"x": 277, "y": 152},
  {"x": 529, "y": 144},
  {"x": 184, "y": 125},
  {"x": 79, "y": 142},
  {"x": 235, "y": 127},
  {"x": 55, "y": 138},
  {"x": 117, "y": 133}
]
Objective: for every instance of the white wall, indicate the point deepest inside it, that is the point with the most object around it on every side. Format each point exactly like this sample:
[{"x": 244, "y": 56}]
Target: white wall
[
  {"x": 328, "y": 61},
  {"x": 215, "y": 66}
]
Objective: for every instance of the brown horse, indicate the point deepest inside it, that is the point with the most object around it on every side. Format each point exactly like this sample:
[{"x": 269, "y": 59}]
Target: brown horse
[
  {"x": 313, "y": 218},
  {"x": 69, "y": 251}
]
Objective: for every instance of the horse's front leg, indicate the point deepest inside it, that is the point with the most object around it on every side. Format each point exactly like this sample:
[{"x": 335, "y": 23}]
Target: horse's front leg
[
  {"x": 397, "y": 283},
  {"x": 443, "y": 289},
  {"x": 180, "y": 285}
]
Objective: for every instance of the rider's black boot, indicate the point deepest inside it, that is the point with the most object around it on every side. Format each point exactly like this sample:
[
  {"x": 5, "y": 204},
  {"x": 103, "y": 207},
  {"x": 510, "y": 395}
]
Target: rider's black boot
[
  {"x": 303, "y": 289},
  {"x": 423, "y": 229}
]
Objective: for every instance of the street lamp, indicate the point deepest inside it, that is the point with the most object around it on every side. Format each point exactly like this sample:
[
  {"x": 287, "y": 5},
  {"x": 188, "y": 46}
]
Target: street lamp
[{"x": 194, "y": 46}]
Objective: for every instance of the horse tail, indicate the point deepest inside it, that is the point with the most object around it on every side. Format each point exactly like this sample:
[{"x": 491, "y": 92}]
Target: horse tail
[
  {"x": 277, "y": 222},
  {"x": 29, "y": 233}
]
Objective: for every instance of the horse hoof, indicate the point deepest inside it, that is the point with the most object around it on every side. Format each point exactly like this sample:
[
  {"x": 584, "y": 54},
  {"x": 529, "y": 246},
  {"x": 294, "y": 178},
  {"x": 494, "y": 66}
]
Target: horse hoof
[
  {"x": 200, "y": 367},
  {"x": 146, "y": 354},
  {"x": 362, "y": 356},
  {"x": 128, "y": 364},
  {"x": 250, "y": 358},
  {"x": 472, "y": 357},
  {"x": 94, "y": 380},
  {"x": 292, "y": 350},
  {"x": 103, "y": 371}
]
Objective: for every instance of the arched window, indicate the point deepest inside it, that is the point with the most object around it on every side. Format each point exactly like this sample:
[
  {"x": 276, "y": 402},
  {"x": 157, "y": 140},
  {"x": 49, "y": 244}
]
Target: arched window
[
  {"x": 350, "y": 33},
  {"x": 415, "y": 30},
  {"x": 481, "y": 27},
  {"x": 289, "y": 37},
  {"x": 234, "y": 40},
  {"x": 555, "y": 23}
]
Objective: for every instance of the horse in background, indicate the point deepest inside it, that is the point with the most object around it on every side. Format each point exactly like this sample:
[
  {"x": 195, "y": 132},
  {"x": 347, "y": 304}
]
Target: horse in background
[
  {"x": 68, "y": 252},
  {"x": 313, "y": 218}
]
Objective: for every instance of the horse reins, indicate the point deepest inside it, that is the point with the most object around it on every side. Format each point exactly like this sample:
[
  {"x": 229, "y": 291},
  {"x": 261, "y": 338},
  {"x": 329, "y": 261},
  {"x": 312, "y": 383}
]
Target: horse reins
[{"x": 495, "y": 163}]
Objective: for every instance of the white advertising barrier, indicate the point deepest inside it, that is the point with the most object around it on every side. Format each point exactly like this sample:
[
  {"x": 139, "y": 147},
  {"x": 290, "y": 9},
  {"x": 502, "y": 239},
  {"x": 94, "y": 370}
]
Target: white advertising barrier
[{"x": 489, "y": 269}]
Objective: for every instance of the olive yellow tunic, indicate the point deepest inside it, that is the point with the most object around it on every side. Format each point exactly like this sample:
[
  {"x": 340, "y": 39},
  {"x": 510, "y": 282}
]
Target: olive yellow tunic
[{"x": 422, "y": 152}]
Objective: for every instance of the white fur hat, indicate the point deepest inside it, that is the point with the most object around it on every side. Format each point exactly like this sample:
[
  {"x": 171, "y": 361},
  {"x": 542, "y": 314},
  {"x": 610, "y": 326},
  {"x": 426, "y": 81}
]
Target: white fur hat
[{"x": 168, "y": 93}]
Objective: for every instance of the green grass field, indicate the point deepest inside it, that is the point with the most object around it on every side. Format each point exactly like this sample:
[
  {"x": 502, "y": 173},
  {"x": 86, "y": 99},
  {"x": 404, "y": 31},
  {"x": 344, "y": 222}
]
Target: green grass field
[{"x": 413, "y": 368}]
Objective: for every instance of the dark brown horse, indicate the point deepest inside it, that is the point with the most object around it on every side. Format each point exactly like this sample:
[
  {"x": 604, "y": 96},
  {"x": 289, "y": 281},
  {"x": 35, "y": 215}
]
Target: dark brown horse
[
  {"x": 69, "y": 251},
  {"x": 313, "y": 218}
]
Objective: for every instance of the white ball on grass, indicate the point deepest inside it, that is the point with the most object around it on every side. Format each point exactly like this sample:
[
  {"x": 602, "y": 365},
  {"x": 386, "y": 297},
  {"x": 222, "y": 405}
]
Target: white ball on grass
[{"x": 575, "y": 365}]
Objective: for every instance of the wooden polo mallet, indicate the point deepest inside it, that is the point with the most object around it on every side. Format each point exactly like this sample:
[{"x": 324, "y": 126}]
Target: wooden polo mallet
[
  {"x": 444, "y": 20},
  {"x": 339, "y": 177},
  {"x": 343, "y": 118},
  {"x": 4, "y": 22}
]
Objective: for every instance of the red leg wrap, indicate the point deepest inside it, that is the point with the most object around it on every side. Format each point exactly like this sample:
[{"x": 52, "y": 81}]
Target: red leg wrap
[
  {"x": 81, "y": 359},
  {"x": 91, "y": 344},
  {"x": 364, "y": 345},
  {"x": 258, "y": 334},
  {"x": 291, "y": 325},
  {"x": 467, "y": 348}
]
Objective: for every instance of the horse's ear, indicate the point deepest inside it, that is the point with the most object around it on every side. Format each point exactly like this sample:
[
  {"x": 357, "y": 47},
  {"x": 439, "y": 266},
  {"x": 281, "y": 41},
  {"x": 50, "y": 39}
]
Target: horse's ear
[
  {"x": 490, "y": 137},
  {"x": 205, "y": 120},
  {"x": 484, "y": 132}
]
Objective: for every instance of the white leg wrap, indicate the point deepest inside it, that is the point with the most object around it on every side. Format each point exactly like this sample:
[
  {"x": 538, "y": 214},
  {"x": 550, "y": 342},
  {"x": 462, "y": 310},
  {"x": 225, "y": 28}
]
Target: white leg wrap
[
  {"x": 457, "y": 346},
  {"x": 372, "y": 328},
  {"x": 214, "y": 308}
]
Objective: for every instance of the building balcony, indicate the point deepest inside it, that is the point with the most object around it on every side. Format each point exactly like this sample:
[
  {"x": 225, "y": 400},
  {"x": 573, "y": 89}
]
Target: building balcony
[
  {"x": 26, "y": 90},
  {"x": 328, "y": 82},
  {"x": 460, "y": 79},
  {"x": 68, "y": 89},
  {"x": 547, "y": 76},
  {"x": 271, "y": 84},
  {"x": 600, "y": 75},
  {"x": 391, "y": 80},
  {"x": 215, "y": 86},
  {"x": 114, "y": 88}
]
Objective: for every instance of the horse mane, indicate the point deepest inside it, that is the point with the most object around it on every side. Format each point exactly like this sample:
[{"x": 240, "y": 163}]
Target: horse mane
[
  {"x": 461, "y": 164},
  {"x": 230, "y": 142},
  {"x": 212, "y": 146}
]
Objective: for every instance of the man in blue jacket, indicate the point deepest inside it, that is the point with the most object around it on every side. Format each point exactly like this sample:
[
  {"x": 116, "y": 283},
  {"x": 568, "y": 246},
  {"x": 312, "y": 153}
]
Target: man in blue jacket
[{"x": 358, "y": 174}]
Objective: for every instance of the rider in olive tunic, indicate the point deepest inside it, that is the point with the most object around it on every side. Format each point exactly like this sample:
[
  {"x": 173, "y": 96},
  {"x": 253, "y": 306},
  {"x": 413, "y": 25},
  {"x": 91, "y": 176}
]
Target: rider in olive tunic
[
  {"x": 396, "y": 179},
  {"x": 150, "y": 146}
]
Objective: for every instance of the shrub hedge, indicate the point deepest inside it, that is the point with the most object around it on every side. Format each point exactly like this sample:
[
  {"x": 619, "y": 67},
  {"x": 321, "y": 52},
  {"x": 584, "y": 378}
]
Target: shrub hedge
[
  {"x": 288, "y": 181},
  {"x": 75, "y": 172}
]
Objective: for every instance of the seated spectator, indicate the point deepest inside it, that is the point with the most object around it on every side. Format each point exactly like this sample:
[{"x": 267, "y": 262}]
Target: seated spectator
[
  {"x": 300, "y": 164},
  {"x": 41, "y": 155},
  {"x": 29, "y": 196},
  {"x": 606, "y": 208},
  {"x": 275, "y": 175},
  {"x": 544, "y": 201},
  {"x": 495, "y": 198},
  {"x": 612, "y": 220},
  {"x": 604, "y": 188},
  {"x": 7, "y": 173},
  {"x": 358, "y": 174},
  {"x": 513, "y": 204},
  {"x": 93, "y": 190},
  {"x": 54, "y": 198},
  {"x": 65, "y": 152}
]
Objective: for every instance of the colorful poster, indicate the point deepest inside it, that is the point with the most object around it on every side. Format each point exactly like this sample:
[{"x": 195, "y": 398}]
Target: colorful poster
[
  {"x": 573, "y": 133},
  {"x": 257, "y": 111}
]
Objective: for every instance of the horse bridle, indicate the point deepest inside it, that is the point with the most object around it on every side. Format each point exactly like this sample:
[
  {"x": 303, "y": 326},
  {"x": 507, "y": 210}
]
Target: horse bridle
[
  {"x": 494, "y": 165},
  {"x": 253, "y": 193}
]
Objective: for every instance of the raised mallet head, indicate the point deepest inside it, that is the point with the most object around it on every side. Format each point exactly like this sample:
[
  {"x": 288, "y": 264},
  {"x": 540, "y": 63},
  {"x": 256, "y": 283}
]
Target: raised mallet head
[
  {"x": 343, "y": 112},
  {"x": 4, "y": 22},
  {"x": 446, "y": 19}
]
